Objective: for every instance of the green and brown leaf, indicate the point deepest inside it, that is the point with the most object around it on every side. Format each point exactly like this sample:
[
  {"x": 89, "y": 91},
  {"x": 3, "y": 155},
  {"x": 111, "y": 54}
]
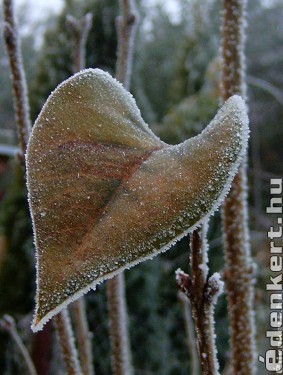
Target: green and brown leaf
[{"x": 105, "y": 193}]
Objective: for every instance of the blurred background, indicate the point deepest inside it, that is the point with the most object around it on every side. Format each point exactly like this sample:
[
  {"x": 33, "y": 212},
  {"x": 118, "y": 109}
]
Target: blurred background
[{"x": 176, "y": 85}]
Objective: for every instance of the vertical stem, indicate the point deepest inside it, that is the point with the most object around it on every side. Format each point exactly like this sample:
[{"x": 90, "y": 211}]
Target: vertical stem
[
  {"x": 7, "y": 323},
  {"x": 238, "y": 272},
  {"x": 191, "y": 339},
  {"x": 41, "y": 349},
  {"x": 117, "y": 308},
  {"x": 67, "y": 343},
  {"x": 126, "y": 28},
  {"x": 202, "y": 293},
  {"x": 78, "y": 310},
  {"x": 118, "y": 324},
  {"x": 20, "y": 93},
  {"x": 79, "y": 30}
]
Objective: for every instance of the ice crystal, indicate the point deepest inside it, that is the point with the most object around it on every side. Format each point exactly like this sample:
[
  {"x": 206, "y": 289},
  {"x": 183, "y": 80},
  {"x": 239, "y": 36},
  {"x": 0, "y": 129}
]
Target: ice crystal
[{"x": 105, "y": 193}]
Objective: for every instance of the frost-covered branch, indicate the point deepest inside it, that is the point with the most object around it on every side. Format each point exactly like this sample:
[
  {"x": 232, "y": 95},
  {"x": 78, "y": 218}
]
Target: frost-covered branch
[
  {"x": 20, "y": 93},
  {"x": 191, "y": 339},
  {"x": 79, "y": 318},
  {"x": 118, "y": 321},
  {"x": 238, "y": 271},
  {"x": 67, "y": 343},
  {"x": 126, "y": 28},
  {"x": 118, "y": 326},
  {"x": 202, "y": 293},
  {"x": 79, "y": 30},
  {"x": 7, "y": 324}
]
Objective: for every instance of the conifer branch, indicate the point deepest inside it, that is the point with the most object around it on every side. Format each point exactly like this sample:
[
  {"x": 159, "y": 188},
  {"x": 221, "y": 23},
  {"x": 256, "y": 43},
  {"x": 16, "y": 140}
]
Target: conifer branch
[
  {"x": 79, "y": 30},
  {"x": 202, "y": 293},
  {"x": 67, "y": 343},
  {"x": 117, "y": 308},
  {"x": 238, "y": 269},
  {"x": 18, "y": 78},
  {"x": 8, "y": 324}
]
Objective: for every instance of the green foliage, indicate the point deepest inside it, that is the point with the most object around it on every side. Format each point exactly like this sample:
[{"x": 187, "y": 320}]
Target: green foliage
[{"x": 188, "y": 118}]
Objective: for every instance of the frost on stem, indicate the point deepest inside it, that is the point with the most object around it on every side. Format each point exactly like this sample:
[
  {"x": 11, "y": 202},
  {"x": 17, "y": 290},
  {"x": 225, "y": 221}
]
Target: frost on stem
[
  {"x": 238, "y": 272},
  {"x": 116, "y": 302},
  {"x": 126, "y": 29},
  {"x": 118, "y": 320},
  {"x": 83, "y": 337},
  {"x": 79, "y": 30},
  {"x": 189, "y": 326},
  {"x": 20, "y": 94},
  {"x": 67, "y": 343},
  {"x": 202, "y": 292},
  {"x": 8, "y": 324},
  {"x": 105, "y": 193}
]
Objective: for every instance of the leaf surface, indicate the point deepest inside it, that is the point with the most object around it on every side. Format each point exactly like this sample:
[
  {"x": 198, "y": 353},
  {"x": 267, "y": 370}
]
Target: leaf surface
[{"x": 105, "y": 193}]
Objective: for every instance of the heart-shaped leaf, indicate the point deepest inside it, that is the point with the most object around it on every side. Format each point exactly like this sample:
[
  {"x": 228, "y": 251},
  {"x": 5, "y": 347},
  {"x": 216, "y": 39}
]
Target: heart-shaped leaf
[{"x": 105, "y": 193}]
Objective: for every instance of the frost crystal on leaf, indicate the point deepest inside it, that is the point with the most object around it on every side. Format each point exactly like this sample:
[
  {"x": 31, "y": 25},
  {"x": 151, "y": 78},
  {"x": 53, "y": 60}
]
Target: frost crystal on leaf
[{"x": 105, "y": 193}]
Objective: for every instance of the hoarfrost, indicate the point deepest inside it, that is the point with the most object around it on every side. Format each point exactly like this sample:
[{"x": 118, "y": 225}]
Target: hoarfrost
[{"x": 114, "y": 194}]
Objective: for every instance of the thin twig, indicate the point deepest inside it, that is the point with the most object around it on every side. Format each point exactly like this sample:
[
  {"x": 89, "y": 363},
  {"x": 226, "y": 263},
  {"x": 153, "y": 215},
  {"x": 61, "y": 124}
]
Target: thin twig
[
  {"x": 126, "y": 28},
  {"x": 67, "y": 343},
  {"x": 238, "y": 269},
  {"x": 79, "y": 318},
  {"x": 118, "y": 325},
  {"x": 7, "y": 324},
  {"x": 79, "y": 30},
  {"x": 20, "y": 92},
  {"x": 191, "y": 339},
  {"x": 202, "y": 293},
  {"x": 117, "y": 308}
]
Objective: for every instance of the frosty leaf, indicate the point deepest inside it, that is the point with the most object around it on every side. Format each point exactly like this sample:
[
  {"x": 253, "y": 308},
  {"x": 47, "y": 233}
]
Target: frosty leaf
[{"x": 105, "y": 193}]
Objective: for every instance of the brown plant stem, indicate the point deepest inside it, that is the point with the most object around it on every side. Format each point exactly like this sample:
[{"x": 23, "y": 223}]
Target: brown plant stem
[
  {"x": 67, "y": 343},
  {"x": 20, "y": 93},
  {"x": 191, "y": 339},
  {"x": 118, "y": 325},
  {"x": 7, "y": 324},
  {"x": 41, "y": 349},
  {"x": 79, "y": 30},
  {"x": 117, "y": 308},
  {"x": 202, "y": 293},
  {"x": 79, "y": 318},
  {"x": 238, "y": 268},
  {"x": 126, "y": 29}
]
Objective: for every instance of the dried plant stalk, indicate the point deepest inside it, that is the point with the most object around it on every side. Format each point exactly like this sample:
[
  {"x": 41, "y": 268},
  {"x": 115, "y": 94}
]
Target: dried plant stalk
[
  {"x": 202, "y": 293},
  {"x": 238, "y": 272},
  {"x": 67, "y": 343},
  {"x": 119, "y": 335},
  {"x": 191, "y": 339},
  {"x": 126, "y": 28},
  {"x": 20, "y": 93},
  {"x": 79, "y": 318},
  {"x": 79, "y": 30},
  {"x": 118, "y": 324},
  {"x": 7, "y": 324}
]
